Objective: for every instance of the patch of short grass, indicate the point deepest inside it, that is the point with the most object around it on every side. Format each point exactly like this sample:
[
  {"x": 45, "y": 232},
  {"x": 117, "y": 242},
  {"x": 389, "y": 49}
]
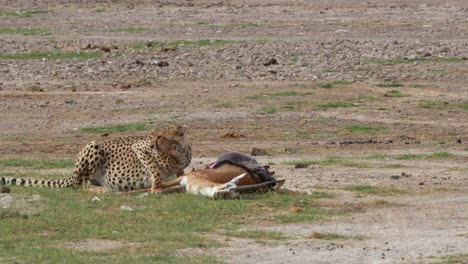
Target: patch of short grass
[
  {"x": 377, "y": 156},
  {"x": 267, "y": 110},
  {"x": 24, "y": 31},
  {"x": 322, "y": 195},
  {"x": 339, "y": 161},
  {"x": 395, "y": 93},
  {"x": 270, "y": 95},
  {"x": 332, "y": 84},
  {"x": 257, "y": 234},
  {"x": 461, "y": 258},
  {"x": 100, "y": 10},
  {"x": 37, "y": 164},
  {"x": 334, "y": 236},
  {"x": 219, "y": 103},
  {"x": 435, "y": 155},
  {"x": 155, "y": 230},
  {"x": 389, "y": 84},
  {"x": 24, "y": 13},
  {"x": 421, "y": 59},
  {"x": 201, "y": 42},
  {"x": 129, "y": 29},
  {"x": 229, "y": 25},
  {"x": 365, "y": 129},
  {"x": 114, "y": 128},
  {"x": 329, "y": 161},
  {"x": 443, "y": 105},
  {"x": 331, "y": 105},
  {"x": 52, "y": 55},
  {"x": 367, "y": 189}
]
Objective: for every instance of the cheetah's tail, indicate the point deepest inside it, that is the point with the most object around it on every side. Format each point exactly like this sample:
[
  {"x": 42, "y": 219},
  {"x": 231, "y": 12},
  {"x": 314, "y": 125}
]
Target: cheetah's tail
[{"x": 37, "y": 183}]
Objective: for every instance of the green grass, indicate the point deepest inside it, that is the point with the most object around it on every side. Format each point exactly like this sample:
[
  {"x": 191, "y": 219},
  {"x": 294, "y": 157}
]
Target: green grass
[
  {"x": 228, "y": 25},
  {"x": 270, "y": 95},
  {"x": 334, "y": 236},
  {"x": 52, "y": 55},
  {"x": 257, "y": 234},
  {"x": 100, "y": 10},
  {"x": 201, "y": 42},
  {"x": 114, "y": 128},
  {"x": 267, "y": 110},
  {"x": 219, "y": 103},
  {"x": 37, "y": 164},
  {"x": 330, "y": 161},
  {"x": 365, "y": 129},
  {"x": 435, "y": 155},
  {"x": 420, "y": 59},
  {"x": 333, "y": 84},
  {"x": 29, "y": 13},
  {"x": 155, "y": 230},
  {"x": 129, "y": 29},
  {"x": 390, "y": 84},
  {"x": 330, "y": 105},
  {"x": 377, "y": 156},
  {"x": 367, "y": 189},
  {"x": 395, "y": 93},
  {"x": 24, "y": 31},
  {"x": 322, "y": 195},
  {"x": 450, "y": 259},
  {"x": 443, "y": 105}
]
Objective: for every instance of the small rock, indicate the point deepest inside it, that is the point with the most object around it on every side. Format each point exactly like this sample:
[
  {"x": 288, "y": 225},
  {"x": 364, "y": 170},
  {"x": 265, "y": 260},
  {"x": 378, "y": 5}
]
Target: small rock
[
  {"x": 427, "y": 54},
  {"x": 5, "y": 190},
  {"x": 421, "y": 183},
  {"x": 270, "y": 61},
  {"x": 139, "y": 62},
  {"x": 459, "y": 141},
  {"x": 273, "y": 71},
  {"x": 233, "y": 134},
  {"x": 258, "y": 152},
  {"x": 395, "y": 177},
  {"x": 105, "y": 49},
  {"x": 160, "y": 63},
  {"x": 126, "y": 86},
  {"x": 126, "y": 208},
  {"x": 300, "y": 166}
]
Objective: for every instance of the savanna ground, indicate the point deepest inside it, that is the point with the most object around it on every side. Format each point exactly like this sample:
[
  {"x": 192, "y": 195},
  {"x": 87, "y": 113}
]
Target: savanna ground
[{"x": 361, "y": 106}]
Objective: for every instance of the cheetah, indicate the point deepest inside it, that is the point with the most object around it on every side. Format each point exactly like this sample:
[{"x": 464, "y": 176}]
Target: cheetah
[{"x": 125, "y": 164}]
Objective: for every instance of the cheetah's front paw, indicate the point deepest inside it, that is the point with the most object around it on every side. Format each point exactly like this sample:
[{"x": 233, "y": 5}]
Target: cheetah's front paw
[{"x": 156, "y": 190}]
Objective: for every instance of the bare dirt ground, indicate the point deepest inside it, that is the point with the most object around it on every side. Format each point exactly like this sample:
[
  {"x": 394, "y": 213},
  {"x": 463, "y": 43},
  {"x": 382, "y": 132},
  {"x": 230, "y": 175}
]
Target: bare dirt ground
[{"x": 233, "y": 96}]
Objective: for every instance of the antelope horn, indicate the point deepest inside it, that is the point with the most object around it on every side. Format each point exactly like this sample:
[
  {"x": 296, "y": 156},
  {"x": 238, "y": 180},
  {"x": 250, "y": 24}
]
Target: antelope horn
[{"x": 257, "y": 186}]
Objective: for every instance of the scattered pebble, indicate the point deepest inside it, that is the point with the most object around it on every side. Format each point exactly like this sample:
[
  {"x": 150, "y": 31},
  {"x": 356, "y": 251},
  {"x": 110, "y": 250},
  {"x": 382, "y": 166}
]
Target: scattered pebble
[
  {"x": 301, "y": 166},
  {"x": 126, "y": 208},
  {"x": 5, "y": 190},
  {"x": 259, "y": 152}
]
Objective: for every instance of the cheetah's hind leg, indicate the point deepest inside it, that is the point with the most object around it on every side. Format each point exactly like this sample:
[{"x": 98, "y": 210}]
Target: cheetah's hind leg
[{"x": 87, "y": 163}]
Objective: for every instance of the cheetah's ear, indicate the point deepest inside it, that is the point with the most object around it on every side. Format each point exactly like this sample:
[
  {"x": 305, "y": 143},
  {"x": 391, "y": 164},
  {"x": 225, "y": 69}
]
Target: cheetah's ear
[
  {"x": 181, "y": 130},
  {"x": 154, "y": 139}
]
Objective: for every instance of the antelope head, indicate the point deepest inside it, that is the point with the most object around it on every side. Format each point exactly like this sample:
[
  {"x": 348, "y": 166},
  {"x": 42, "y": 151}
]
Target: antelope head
[{"x": 227, "y": 190}]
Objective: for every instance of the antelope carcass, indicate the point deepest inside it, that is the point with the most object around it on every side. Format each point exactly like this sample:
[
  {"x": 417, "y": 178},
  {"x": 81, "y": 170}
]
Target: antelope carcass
[{"x": 224, "y": 182}]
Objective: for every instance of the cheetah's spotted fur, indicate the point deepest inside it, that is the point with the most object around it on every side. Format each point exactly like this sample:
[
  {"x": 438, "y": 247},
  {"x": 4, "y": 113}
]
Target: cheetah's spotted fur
[{"x": 124, "y": 164}]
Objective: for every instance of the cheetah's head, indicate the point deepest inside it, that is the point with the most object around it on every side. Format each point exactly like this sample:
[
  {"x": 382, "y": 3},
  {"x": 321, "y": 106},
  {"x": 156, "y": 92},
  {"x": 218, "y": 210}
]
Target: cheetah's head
[{"x": 171, "y": 139}]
